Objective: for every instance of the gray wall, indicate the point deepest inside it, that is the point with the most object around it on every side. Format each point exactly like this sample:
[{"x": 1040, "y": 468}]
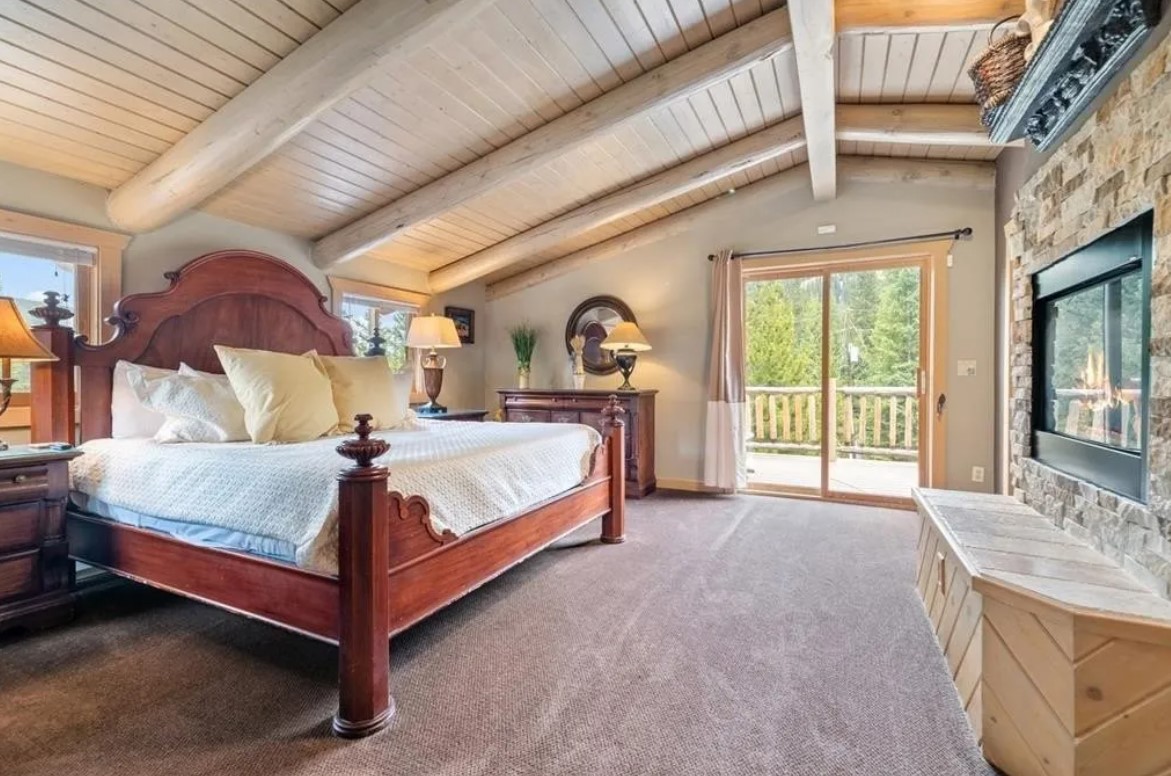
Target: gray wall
[{"x": 667, "y": 286}]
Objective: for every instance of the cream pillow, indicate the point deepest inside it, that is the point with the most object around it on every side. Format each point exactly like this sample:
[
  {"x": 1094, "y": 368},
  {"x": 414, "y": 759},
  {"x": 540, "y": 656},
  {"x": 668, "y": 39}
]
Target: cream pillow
[
  {"x": 196, "y": 408},
  {"x": 286, "y": 398},
  {"x": 366, "y": 385},
  {"x": 129, "y": 418}
]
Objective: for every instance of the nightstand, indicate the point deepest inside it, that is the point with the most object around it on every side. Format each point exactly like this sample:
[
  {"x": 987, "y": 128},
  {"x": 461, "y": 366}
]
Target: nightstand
[
  {"x": 36, "y": 574},
  {"x": 475, "y": 416}
]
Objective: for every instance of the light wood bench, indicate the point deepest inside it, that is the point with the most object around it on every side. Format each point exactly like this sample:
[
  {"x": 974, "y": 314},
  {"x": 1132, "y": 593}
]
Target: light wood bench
[{"x": 1061, "y": 659}]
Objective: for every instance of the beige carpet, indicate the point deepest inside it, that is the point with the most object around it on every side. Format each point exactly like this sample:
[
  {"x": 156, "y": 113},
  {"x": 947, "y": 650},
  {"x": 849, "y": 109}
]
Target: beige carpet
[{"x": 728, "y": 636}]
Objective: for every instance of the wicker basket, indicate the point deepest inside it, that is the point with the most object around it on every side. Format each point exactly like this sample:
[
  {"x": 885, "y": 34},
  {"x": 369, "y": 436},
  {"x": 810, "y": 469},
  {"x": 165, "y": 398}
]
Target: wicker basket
[{"x": 998, "y": 69}]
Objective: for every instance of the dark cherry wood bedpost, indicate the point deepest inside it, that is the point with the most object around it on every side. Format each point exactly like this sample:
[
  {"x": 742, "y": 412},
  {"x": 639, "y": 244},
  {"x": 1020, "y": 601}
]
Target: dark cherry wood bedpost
[
  {"x": 52, "y": 417},
  {"x": 365, "y": 705},
  {"x": 614, "y": 522}
]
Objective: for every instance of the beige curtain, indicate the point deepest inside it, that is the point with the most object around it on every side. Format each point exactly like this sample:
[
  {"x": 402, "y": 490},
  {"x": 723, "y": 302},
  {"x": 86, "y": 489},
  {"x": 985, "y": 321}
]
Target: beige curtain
[{"x": 725, "y": 461}]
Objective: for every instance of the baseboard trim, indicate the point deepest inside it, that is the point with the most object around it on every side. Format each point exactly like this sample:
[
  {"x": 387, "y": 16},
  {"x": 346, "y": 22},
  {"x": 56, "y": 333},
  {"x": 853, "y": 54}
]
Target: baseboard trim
[{"x": 688, "y": 486}]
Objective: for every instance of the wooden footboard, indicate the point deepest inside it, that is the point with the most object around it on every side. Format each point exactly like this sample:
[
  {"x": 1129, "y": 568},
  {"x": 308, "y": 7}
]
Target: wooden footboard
[
  {"x": 403, "y": 570},
  {"x": 418, "y": 570}
]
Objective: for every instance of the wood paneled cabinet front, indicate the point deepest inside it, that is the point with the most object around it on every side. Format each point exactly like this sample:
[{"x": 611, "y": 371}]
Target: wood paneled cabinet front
[
  {"x": 36, "y": 574},
  {"x": 585, "y": 407}
]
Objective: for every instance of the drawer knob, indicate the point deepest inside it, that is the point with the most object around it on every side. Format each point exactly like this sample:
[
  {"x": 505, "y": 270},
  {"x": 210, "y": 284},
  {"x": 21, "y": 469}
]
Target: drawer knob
[
  {"x": 20, "y": 478},
  {"x": 942, "y": 563}
]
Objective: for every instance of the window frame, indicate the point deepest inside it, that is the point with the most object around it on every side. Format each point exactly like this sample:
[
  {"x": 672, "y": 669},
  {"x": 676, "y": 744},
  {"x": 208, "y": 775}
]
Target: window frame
[
  {"x": 341, "y": 288},
  {"x": 99, "y": 285}
]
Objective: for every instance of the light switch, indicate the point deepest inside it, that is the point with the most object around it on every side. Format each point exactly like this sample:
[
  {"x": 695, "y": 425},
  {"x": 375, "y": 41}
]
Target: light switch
[{"x": 966, "y": 367}]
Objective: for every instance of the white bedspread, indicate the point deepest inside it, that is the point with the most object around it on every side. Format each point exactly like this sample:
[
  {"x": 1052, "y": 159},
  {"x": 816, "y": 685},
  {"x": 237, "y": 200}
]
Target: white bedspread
[{"x": 470, "y": 473}]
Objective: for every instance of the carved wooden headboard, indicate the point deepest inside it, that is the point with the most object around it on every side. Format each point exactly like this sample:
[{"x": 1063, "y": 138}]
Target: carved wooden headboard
[{"x": 238, "y": 298}]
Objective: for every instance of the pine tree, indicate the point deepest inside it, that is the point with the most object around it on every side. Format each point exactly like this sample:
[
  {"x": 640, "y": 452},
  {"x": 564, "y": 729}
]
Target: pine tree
[{"x": 894, "y": 342}]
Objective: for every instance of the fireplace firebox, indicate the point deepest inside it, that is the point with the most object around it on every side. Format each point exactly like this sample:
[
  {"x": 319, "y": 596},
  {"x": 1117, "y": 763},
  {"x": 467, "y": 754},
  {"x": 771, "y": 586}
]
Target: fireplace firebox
[{"x": 1091, "y": 318}]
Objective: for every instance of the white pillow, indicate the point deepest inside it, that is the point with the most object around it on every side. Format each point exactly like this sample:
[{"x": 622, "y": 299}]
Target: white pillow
[
  {"x": 130, "y": 418},
  {"x": 197, "y": 408}
]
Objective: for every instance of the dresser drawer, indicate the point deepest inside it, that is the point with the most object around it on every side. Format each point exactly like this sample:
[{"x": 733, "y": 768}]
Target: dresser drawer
[
  {"x": 18, "y": 575},
  {"x": 527, "y": 416},
  {"x": 598, "y": 421},
  {"x": 565, "y": 416},
  {"x": 24, "y": 483},
  {"x": 20, "y": 526}
]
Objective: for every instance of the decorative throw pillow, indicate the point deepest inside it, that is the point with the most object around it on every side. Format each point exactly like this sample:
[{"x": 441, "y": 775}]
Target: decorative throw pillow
[
  {"x": 130, "y": 419},
  {"x": 197, "y": 409},
  {"x": 365, "y": 385},
  {"x": 286, "y": 398}
]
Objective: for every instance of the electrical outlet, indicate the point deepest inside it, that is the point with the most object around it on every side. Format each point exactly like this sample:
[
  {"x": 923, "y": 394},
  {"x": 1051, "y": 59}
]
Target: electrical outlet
[
  {"x": 827, "y": 229},
  {"x": 966, "y": 367},
  {"x": 977, "y": 474}
]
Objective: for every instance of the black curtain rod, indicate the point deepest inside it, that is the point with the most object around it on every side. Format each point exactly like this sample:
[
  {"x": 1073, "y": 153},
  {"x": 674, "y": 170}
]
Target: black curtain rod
[{"x": 955, "y": 234}]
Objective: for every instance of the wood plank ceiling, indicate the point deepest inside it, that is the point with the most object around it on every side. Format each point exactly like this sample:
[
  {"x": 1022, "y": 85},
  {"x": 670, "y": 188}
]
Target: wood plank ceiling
[{"x": 97, "y": 89}]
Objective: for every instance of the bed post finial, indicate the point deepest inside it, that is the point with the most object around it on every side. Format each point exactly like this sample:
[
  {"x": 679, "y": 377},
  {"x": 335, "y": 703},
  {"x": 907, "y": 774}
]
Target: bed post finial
[
  {"x": 613, "y": 413},
  {"x": 363, "y": 559},
  {"x": 614, "y": 521},
  {"x": 52, "y": 414},
  {"x": 363, "y": 450}
]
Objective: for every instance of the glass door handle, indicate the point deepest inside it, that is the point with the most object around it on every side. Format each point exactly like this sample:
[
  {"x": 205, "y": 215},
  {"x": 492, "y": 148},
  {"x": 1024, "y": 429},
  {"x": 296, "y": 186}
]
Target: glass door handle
[{"x": 940, "y": 405}]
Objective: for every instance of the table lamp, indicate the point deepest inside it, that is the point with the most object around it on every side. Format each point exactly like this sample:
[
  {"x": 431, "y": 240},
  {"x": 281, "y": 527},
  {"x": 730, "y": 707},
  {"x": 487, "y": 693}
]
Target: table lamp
[
  {"x": 432, "y": 331},
  {"x": 16, "y": 343},
  {"x": 625, "y": 340}
]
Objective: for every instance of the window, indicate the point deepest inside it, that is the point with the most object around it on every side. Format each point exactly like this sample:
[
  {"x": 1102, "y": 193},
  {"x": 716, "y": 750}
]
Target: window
[
  {"x": 392, "y": 321},
  {"x": 364, "y": 304},
  {"x": 82, "y": 263},
  {"x": 26, "y": 278}
]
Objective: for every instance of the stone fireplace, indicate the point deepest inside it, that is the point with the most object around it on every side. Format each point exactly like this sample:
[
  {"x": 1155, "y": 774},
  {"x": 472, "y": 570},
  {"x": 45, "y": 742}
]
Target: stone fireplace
[{"x": 1113, "y": 172}]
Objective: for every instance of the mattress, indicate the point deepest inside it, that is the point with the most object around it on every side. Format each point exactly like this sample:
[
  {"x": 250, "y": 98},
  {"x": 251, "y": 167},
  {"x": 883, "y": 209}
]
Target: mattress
[{"x": 280, "y": 501}]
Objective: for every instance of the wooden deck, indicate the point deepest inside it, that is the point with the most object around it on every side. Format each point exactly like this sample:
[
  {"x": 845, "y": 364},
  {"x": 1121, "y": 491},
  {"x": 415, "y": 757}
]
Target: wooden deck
[{"x": 847, "y": 475}]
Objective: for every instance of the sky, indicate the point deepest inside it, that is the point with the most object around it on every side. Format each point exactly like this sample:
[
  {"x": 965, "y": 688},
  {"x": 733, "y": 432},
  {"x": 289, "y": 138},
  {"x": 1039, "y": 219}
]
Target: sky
[{"x": 28, "y": 279}]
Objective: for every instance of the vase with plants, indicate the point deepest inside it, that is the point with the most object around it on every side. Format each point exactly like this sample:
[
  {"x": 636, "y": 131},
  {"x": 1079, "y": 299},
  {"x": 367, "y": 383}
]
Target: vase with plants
[{"x": 524, "y": 342}]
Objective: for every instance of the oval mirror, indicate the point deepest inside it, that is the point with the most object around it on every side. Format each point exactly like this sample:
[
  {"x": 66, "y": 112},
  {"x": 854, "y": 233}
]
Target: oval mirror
[{"x": 594, "y": 319}]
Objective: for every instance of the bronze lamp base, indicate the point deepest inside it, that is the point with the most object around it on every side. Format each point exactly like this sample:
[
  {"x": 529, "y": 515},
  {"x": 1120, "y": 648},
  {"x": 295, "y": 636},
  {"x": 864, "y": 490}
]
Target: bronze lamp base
[{"x": 432, "y": 384}]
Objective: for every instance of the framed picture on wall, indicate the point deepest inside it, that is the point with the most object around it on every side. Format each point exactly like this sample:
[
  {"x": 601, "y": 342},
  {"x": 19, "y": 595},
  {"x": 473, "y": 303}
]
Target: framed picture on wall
[{"x": 465, "y": 323}]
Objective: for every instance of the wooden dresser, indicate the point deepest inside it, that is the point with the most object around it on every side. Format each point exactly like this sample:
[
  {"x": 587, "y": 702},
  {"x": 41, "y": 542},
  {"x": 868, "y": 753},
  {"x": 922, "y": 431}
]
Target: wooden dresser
[
  {"x": 568, "y": 406},
  {"x": 36, "y": 574}
]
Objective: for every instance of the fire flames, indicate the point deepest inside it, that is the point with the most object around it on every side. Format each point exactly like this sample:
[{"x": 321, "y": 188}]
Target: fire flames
[{"x": 1093, "y": 378}]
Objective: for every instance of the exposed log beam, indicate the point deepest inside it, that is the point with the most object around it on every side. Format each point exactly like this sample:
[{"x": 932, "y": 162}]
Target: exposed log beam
[
  {"x": 853, "y": 168},
  {"x": 696, "y": 70},
  {"x": 920, "y": 124},
  {"x": 884, "y": 15},
  {"x": 939, "y": 173},
  {"x": 677, "y": 223},
  {"x": 278, "y": 105},
  {"x": 813, "y": 42},
  {"x": 732, "y": 158}
]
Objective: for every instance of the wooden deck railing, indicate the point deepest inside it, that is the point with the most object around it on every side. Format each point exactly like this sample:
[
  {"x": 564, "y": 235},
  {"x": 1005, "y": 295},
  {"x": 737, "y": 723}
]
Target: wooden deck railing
[{"x": 869, "y": 422}]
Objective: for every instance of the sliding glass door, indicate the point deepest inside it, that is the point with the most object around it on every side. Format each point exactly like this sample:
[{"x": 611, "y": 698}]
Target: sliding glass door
[
  {"x": 838, "y": 366},
  {"x": 784, "y": 338}
]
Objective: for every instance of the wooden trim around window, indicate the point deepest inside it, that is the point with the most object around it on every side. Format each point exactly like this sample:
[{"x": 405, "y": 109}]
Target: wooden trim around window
[
  {"x": 342, "y": 287},
  {"x": 105, "y": 275},
  {"x": 99, "y": 285},
  {"x": 931, "y": 259}
]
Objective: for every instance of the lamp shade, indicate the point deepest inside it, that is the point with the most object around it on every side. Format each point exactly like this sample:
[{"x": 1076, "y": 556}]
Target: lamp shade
[
  {"x": 16, "y": 340},
  {"x": 626, "y": 336},
  {"x": 432, "y": 331}
]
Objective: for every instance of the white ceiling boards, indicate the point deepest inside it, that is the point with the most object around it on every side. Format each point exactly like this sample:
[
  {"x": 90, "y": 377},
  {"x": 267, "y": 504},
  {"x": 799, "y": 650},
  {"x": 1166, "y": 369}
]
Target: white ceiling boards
[{"x": 477, "y": 122}]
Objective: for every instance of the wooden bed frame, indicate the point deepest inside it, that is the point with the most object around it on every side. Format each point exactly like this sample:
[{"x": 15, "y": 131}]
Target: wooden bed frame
[{"x": 394, "y": 569}]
